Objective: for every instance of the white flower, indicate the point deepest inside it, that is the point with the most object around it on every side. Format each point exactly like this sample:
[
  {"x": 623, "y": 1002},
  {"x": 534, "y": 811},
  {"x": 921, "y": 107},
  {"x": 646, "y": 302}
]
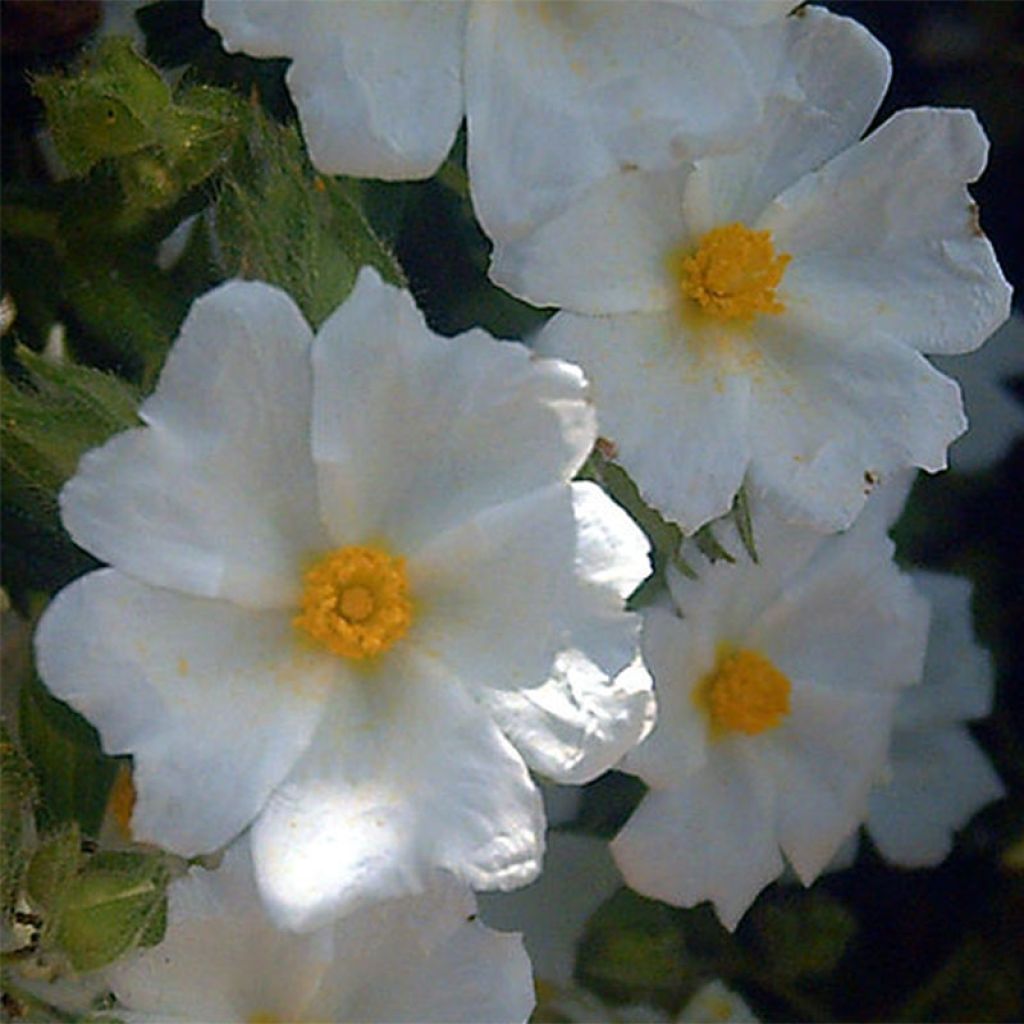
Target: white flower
[
  {"x": 995, "y": 414},
  {"x": 938, "y": 776},
  {"x": 556, "y": 96},
  {"x": 762, "y": 314},
  {"x": 351, "y": 590},
  {"x": 421, "y": 958},
  {"x": 776, "y": 688}
]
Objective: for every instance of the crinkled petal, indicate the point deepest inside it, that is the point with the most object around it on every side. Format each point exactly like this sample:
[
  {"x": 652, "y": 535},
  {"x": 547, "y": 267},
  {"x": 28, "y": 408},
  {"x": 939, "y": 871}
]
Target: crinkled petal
[
  {"x": 579, "y": 875},
  {"x": 607, "y": 253},
  {"x": 741, "y": 12},
  {"x": 167, "y": 679},
  {"x": 217, "y": 495},
  {"x": 466, "y": 423},
  {"x": 378, "y": 84},
  {"x": 598, "y": 701},
  {"x": 825, "y": 756},
  {"x": 885, "y": 238},
  {"x": 559, "y": 96},
  {"x": 201, "y": 971},
  {"x": 677, "y": 417},
  {"x": 833, "y": 419},
  {"x": 406, "y": 775},
  {"x": 710, "y": 837},
  {"x": 939, "y": 780},
  {"x": 823, "y": 88}
]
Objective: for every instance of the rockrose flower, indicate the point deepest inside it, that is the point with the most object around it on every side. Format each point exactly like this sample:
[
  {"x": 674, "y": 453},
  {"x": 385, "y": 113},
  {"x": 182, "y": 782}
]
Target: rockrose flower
[
  {"x": 352, "y": 595},
  {"x": 777, "y": 683},
  {"x": 761, "y": 315}
]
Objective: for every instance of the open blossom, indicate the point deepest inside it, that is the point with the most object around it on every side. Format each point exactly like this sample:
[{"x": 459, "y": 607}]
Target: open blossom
[
  {"x": 556, "y": 96},
  {"x": 777, "y": 683},
  {"x": 419, "y": 958},
  {"x": 761, "y": 315},
  {"x": 352, "y": 594}
]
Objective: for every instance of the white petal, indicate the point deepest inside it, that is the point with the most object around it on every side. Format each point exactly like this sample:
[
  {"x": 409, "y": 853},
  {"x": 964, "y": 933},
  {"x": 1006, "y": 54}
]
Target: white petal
[
  {"x": 823, "y": 87},
  {"x": 848, "y": 621},
  {"x": 413, "y": 433},
  {"x": 216, "y": 496},
  {"x": 559, "y": 96},
  {"x": 958, "y": 673},
  {"x": 825, "y": 756},
  {"x": 940, "y": 778},
  {"x": 406, "y": 776},
  {"x": 578, "y": 877},
  {"x": 167, "y": 679},
  {"x": 424, "y": 958},
  {"x": 201, "y": 971},
  {"x": 607, "y": 253},
  {"x": 678, "y": 657},
  {"x": 678, "y": 418},
  {"x": 995, "y": 414},
  {"x": 832, "y": 419},
  {"x": 378, "y": 85},
  {"x": 742, "y": 12},
  {"x": 495, "y": 594},
  {"x": 714, "y": 1002},
  {"x": 711, "y": 836},
  {"x": 598, "y": 702},
  {"x": 885, "y": 238}
]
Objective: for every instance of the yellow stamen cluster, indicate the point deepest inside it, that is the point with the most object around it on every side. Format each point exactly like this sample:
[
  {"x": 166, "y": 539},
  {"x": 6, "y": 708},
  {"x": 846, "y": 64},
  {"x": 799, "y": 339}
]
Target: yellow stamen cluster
[
  {"x": 744, "y": 692},
  {"x": 734, "y": 273},
  {"x": 355, "y": 601}
]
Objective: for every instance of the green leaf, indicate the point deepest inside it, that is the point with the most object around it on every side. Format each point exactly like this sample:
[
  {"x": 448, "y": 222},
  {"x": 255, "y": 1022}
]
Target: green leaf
[
  {"x": 17, "y": 800},
  {"x": 803, "y": 935},
  {"x": 117, "y": 903},
  {"x": 74, "y": 775},
  {"x": 52, "y": 868},
  {"x": 278, "y": 221},
  {"x": 709, "y": 545}
]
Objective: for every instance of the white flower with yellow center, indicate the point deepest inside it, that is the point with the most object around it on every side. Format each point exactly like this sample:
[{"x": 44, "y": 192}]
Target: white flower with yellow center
[
  {"x": 555, "y": 95},
  {"x": 420, "y": 958},
  {"x": 776, "y": 685},
  {"x": 352, "y": 594},
  {"x": 762, "y": 315}
]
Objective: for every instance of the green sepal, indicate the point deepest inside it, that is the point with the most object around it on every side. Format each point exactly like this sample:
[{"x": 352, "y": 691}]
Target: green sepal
[
  {"x": 74, "y": 774},
  {"x": 53, "y": 866},
  {"x": 117, "y": 903},
  {"x": 280, "y": 222},
  {"x": 710, "y": 546}
]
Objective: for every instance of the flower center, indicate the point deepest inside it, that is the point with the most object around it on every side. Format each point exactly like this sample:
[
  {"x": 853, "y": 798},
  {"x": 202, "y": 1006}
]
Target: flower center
[
  {"x": 734, "y": 273},
  {"x": 355, "y": 601},
  {"x": 744, "y": 692}
]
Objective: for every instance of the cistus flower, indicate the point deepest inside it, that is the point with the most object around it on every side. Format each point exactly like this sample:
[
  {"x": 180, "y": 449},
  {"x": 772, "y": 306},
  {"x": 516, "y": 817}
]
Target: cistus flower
[
  {"x": 776, "y": 683},
  {"x": 352, "y": 594},
  {"x": 761, "y": 315},
  {"x": 555, "y": 95},
  {"x": 420, "y": 958}
]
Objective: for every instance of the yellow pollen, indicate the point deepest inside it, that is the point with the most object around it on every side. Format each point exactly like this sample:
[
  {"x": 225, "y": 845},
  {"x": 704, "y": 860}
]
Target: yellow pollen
[
  {"x": 744, "y": 692},
  {"x": 121, "y": 802},
  {"x": 355, "y": 601},
  {"x": 734, "y": 273}
]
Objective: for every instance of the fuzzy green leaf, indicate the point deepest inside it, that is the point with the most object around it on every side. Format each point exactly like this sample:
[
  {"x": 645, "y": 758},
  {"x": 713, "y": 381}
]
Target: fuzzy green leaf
[
  {"x": 53, "y": 867},
  {"x": 118, "y": 902},
  {"x": 17, "y": 799}
]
